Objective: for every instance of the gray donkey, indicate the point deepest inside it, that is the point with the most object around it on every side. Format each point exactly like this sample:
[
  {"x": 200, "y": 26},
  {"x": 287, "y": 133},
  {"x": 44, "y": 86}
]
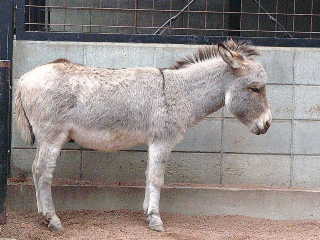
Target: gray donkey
[{"x": 112, "y": 109}]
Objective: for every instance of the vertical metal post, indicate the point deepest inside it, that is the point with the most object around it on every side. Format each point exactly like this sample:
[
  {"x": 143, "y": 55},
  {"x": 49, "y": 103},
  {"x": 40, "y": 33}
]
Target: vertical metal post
[
  {"x": 235, "y": 18},
  {"x": 5, "y": 118},
  {"x": 6, "y": 40}
]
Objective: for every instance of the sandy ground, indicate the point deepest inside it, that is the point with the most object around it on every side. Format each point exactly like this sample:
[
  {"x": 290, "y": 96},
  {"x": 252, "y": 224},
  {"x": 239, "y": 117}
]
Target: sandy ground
[{"x": 125, "y": 224}]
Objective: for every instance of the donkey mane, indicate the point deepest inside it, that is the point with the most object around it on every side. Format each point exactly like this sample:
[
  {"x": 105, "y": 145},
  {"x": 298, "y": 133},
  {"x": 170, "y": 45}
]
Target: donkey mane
[{"x": 208, "y": 52}]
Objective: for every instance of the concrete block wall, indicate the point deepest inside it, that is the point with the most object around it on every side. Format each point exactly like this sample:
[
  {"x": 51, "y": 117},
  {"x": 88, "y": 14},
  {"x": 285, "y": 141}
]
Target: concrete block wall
[{"x": 217, "y": 151}]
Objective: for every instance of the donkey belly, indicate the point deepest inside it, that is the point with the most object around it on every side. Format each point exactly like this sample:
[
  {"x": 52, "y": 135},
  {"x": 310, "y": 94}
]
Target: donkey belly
[{"x": 106, "y": 140}]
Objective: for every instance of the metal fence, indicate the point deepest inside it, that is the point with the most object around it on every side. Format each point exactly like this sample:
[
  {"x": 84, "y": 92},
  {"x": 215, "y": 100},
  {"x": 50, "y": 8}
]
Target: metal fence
[{"x": 269, "y": 22}]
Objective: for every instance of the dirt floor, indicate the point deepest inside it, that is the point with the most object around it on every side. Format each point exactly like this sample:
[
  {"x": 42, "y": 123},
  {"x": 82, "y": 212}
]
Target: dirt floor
[{"x": 125, "y": 224}]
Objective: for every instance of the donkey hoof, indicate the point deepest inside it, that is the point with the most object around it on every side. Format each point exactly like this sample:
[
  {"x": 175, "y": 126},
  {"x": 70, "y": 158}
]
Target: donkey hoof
[
  {"x": 55, "y": 225},
  {"x": 158, "y": 228},
  {"x": 155, "y": 223}
]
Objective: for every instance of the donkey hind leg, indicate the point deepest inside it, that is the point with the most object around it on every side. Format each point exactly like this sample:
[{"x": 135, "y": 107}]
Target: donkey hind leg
[
  {"x": 158, "y": 155},
  {"x": 43, "y": 173},
  {"x": 36, "y": 180}
]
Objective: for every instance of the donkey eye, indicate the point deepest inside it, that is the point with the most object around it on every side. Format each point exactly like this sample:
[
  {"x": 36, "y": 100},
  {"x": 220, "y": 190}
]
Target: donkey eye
[{"x": 257, "y": 90}]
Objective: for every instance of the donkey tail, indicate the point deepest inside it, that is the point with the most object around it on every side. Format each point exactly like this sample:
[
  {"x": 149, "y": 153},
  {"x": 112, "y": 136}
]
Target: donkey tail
[{"x": 22, "y": 120}]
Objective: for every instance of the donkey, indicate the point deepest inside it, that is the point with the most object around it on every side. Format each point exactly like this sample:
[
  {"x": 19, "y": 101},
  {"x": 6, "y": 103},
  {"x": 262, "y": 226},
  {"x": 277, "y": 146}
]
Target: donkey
[{"x": 112, "y": 109}]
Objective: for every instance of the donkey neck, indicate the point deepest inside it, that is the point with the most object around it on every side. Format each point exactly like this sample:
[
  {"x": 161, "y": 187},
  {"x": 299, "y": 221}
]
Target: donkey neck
[{"x": 198, "y": 89}]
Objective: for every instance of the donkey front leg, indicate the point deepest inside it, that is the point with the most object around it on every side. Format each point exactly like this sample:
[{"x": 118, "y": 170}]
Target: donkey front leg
[
  {"x": 146, "y": 192},
  {"x": 158, "y": 155},
  {"x": 43, "y": 169}
]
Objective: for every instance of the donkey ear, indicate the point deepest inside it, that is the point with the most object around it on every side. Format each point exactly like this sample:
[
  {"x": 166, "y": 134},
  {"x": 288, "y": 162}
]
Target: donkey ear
[{"x": 233, "y": 59}]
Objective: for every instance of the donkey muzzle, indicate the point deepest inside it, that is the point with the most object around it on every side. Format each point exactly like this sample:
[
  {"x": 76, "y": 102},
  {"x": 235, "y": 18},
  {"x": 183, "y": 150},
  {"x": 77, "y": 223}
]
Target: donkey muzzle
[{"x": 262, "y": 124}]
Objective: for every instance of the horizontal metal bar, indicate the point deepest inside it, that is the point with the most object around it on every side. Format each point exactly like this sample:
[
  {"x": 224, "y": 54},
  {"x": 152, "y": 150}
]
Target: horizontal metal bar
[
  {"x": 171, "y": 10},
  {"x": 172, "y": 28},
  {"x": 93, "y": 37}
]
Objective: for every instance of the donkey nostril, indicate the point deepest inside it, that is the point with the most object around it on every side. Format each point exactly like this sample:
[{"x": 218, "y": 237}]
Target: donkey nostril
[{"x": 268, "y": 124}]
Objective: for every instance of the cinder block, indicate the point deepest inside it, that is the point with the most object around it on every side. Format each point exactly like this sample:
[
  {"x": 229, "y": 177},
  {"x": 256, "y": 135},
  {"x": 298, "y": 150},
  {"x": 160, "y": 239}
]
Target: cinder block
[
  {"x": 307, "y": 102},
  {"x": 164, "y": 56},
  {"x": 267, "y": 170},
  {"x": 180, "y": 52},
  {"x": 306, "y": 137},
  {"x": 280, "y": 98},
  {"x": 114, "y": 167},
  {"x": 202, "y": 168},
  {"x": 129, "y": 167},
  {"x": 118, "y": 55},
  {"x": 204, "y": 137},
  {"x": 21, "y": 162},
  {"x": 238, "y": 139},
  {"x": 278, "y": 64},
  {"x": 306, "y": 66},
  {"x": 29, "y": 54},
  {"x": 306, "y": 171},
  {"x": 68, "y": 163}
]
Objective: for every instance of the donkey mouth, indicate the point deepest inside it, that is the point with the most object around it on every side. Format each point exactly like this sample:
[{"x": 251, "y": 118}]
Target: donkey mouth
[{"x": 257, "y": 131}]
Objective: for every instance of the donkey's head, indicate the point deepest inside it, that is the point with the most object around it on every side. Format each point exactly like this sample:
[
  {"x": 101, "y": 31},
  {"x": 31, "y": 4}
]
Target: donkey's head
[{"x": 245, "y": 95}]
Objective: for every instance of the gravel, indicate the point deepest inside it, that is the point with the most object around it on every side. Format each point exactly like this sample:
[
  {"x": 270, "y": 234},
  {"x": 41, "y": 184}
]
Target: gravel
[{"x": 124, "y": 224}]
